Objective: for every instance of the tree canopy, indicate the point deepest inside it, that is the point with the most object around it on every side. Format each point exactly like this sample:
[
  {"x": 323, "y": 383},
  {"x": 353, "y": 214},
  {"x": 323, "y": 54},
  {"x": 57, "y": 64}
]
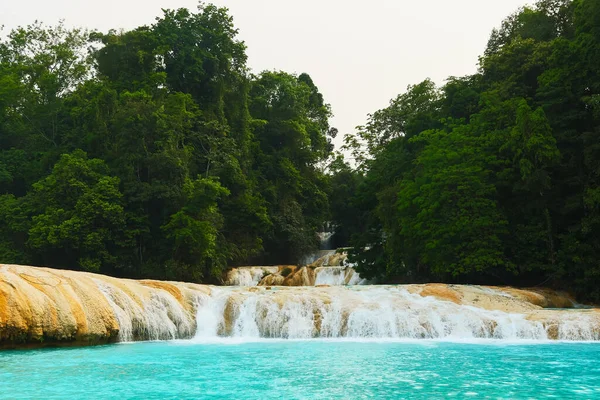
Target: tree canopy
[
  {"x": 155, "y": 152},
  {"x": 491, "y": 178}
]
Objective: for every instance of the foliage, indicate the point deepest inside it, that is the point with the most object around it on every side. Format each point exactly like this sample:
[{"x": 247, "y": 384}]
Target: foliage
[
  {"x": 156, "y": 153},
  {"x": 292, "y": 141},
  {"x": 185, "y": 157},
  {"x": 492, "y": 178}
]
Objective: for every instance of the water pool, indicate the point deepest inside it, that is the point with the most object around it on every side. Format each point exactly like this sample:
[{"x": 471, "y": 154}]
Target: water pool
[{"x": 313, "y": 369}]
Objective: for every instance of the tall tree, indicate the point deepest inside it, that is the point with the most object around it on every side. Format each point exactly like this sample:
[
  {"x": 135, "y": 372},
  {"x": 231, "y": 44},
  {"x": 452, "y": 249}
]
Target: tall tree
[{"x": 291, "y": 129}]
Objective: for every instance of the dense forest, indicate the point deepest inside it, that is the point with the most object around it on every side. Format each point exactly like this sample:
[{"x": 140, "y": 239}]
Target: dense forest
[
  {"x": 157, "y": 153},
  {"x": 491, "y": 178}
]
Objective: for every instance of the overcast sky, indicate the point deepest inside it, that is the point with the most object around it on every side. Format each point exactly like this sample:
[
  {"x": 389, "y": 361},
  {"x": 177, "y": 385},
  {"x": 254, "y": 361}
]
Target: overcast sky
[{"x": 359, "y": 53}]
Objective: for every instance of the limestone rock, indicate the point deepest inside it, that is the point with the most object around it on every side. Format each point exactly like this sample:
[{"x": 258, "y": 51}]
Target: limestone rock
[{"x": 42, "y": 306}]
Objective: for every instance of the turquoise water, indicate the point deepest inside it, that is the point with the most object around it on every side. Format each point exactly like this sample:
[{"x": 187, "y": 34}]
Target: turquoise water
[{"x": 303, "y": 370}]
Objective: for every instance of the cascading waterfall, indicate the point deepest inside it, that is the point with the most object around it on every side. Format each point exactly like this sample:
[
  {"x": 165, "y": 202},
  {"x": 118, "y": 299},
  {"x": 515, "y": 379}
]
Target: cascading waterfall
[
  {"x": 325, "y": 246},
  {"x": 312, "y": 257},
  {"x": 160, "y": 318},
  {"x": 325, "y": 267},
  {"x": 323, "y": 275},
  {"x": 369, "y": 312},
  {"x": 57, "y": 306},
  {"x": 209, "y": 316},
  {"x": 337, "y": 276},
  {"x": 248, "y": 276},
  {"x": 325, "y": 240}
]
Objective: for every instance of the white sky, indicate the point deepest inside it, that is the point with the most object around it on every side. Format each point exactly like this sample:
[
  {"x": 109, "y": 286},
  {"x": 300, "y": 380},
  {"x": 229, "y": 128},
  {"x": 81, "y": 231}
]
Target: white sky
[{"x": 360, "y": 54}]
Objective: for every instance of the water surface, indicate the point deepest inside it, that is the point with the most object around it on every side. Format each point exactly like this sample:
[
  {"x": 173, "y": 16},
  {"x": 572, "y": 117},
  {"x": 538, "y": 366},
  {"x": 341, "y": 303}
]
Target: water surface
[{"x": 313, "y": 369}]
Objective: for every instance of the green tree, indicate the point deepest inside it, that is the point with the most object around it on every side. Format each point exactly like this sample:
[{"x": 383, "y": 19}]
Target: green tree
[
  {"x": 193, "y": 232},
  {"x": 291, "y": 131},
  {"x": 77, "y": 218}
]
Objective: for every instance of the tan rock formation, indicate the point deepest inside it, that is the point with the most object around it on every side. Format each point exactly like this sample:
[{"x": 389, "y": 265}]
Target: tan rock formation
[
  {"x": 249, "y": 276},
  {"x": 41, "y": 306},
  {"x": 291, "y": 275},
  {"x": 47, "y": 307},
  {"x": 441, "y": 292},
  {"x": 331, "y": 260}
]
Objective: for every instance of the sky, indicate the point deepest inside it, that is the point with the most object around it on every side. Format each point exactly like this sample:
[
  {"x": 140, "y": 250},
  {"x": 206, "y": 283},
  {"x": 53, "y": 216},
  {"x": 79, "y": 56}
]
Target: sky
[{"x": 360, "y": 54}]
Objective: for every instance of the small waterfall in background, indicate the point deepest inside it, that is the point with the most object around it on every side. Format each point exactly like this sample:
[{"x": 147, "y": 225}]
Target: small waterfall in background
[
  {"x": 338, "y": 276},
  {"x": 248, "y": 276},
  {"x": 326, "y": 246},
  {"x": 326, "y": 240},
  {"x": 327, "y": 266}
]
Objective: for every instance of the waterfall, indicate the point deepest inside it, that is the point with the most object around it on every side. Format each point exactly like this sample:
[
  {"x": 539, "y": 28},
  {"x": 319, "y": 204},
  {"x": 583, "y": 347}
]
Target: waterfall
[
  {"x": 56, "y": 307},
  {"x": 161, "y": 317},
  {"x": 325, "y": 242},
  {"x": 329, "y": 267},
  {"x": 323, "y": 275},
  {"x": 337, "y": 276},
  {"x": 374, "y": 312},
  {"x": 311, "y": 258},
  {"x": 325, "y": 246},
  {"x": 248, "y": 276},
  {"x": 210, "y": 315}
]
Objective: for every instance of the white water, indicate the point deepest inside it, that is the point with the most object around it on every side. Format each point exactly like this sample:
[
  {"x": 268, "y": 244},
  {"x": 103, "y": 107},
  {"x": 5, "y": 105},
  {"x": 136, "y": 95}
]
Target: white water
[
  {"x": 160, "y": 318},
  {"x": 311, "y": 258},
  {"x": 349, "y": 313},
  {"x": 209, "y": 316},
  {"x": 332, "y": 276},
  {"x": 325, "y": 240},
  {"x": 248, "y": 276},
  {"x": 337, "y": 276},
  {"x": 368, "y": 313}
]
